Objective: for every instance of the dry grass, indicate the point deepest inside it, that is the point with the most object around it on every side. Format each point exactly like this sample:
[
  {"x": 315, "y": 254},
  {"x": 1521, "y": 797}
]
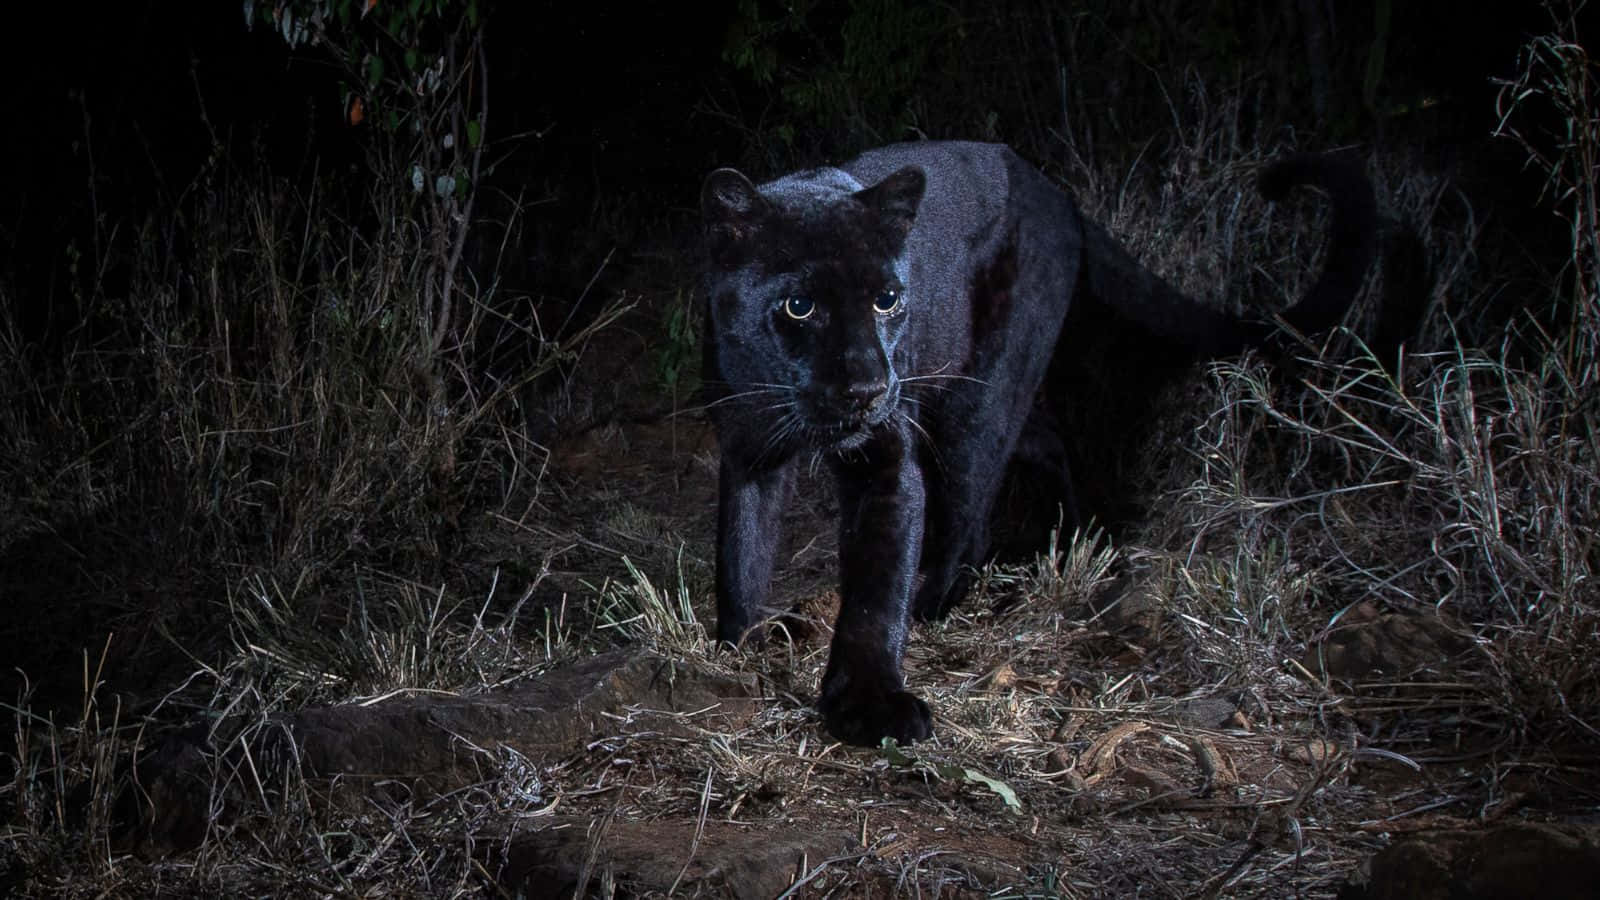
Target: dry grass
[{"x": 236, "y": 479}]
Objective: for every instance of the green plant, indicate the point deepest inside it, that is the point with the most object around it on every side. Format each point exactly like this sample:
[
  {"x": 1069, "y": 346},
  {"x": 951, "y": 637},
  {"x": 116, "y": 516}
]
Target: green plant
[
  {"x": 639, "y": 611},
  {"x": 414, "y": 72},
  {"x": 678, "y": 356},
  {"x": 899, "y": 758},
  {"x": 861, "y": 71}
]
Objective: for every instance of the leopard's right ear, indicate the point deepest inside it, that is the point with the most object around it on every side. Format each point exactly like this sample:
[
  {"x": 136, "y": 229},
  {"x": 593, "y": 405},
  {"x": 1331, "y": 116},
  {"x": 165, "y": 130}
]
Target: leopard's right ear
[
  {"x": 733, "y": 210},
  {"x": 728, "y": 194}
]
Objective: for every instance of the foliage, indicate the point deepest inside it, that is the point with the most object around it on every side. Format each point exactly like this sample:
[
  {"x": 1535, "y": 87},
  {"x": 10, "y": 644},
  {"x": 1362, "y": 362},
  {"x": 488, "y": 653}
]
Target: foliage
[
  {"x": 836, "y": 76},
  {"x": 414, "y": 71},
  {"x": 858, "y": 68},
  {"x": 678, "y": 357}
]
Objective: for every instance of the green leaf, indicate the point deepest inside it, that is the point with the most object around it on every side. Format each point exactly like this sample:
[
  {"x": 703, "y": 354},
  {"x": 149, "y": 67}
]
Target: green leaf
[
  {"x": 1000, "y": 788},
  {"x": 889, "y": 749},
  {"x": 472, "y": 13},
  {"x": 411, "y": 59},
  {"x": 1376, "y": 55},
  {"x": 474, "y": 134},
  {"x": 374, "y": 69}
]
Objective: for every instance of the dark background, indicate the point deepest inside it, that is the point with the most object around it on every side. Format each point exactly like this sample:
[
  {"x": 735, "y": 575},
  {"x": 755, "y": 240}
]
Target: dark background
[{"x": 112, "y": 108}]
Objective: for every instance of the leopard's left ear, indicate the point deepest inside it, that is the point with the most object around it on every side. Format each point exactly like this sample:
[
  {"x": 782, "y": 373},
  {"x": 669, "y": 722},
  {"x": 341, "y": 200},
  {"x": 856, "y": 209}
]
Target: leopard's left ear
[{"x": 896, "y": 198}]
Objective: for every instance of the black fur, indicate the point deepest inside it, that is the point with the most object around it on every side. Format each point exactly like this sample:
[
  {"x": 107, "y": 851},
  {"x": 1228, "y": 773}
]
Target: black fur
[{"x": 896, "y": 317}]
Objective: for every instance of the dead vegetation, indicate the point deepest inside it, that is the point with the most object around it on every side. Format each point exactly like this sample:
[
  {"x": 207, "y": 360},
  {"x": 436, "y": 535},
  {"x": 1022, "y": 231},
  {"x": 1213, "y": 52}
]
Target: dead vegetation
[{"x": 1361, "y": 605}]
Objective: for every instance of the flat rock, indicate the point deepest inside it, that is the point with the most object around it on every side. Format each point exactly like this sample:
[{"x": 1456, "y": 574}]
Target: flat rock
[
  {"x": 1552, "y": 862},
  {"x": 577, "y": 856},
  {"x": 1370, "y": 645},
  {"x": 572, "y": 858},
  {"x": 424, "y": 745}
]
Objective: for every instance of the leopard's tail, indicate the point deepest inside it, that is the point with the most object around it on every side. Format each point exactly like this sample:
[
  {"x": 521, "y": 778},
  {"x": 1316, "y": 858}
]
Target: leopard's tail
[{"x": 1114, "y": 278}]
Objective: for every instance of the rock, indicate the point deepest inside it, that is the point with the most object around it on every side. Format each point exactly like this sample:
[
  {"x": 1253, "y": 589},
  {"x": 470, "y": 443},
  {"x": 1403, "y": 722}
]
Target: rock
[
  {"x": 1198, "y": 712},
  {"x": 1131, "y": 602},
  {"x": 1385, "y": 645},
  {"x": 422, "y": 746},
  {"x": 1552, "y": 862},
  {"x": 572, "y": 857}
]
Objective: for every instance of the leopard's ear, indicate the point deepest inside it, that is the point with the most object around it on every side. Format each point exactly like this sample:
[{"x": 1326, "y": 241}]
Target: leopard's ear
[
  {"x": 733, "y": 211},
  {"x": 728, "y": 194},
  {"x": 896, "y": 198}
]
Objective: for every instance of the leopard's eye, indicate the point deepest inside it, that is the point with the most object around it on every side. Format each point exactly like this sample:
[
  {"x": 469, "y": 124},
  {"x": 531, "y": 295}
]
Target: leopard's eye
[
  {"x": 798, "y": 307},
  {"x": 887, "y": 302}
]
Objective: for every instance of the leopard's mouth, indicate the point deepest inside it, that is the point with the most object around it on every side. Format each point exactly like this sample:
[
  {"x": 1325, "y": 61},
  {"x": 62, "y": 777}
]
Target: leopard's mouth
[{"x": 848, "y": 430}]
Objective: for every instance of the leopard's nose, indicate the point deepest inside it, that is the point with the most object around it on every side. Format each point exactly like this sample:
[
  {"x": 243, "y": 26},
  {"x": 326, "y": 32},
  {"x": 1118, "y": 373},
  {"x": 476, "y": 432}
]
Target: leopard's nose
[{"x": 866, "y": 395}]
